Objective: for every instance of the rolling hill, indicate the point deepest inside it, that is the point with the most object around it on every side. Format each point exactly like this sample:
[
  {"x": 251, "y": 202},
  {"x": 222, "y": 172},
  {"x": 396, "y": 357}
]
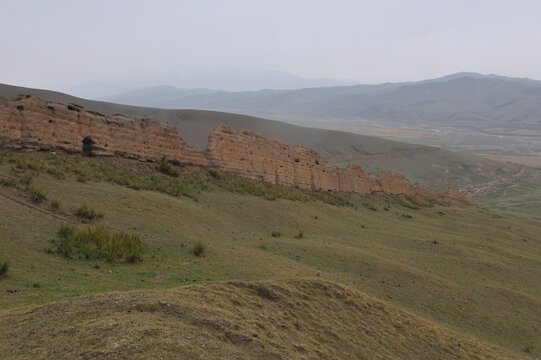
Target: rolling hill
[
  {"x": 373, "y": 277},
  {"x": 464, "y": 97}
]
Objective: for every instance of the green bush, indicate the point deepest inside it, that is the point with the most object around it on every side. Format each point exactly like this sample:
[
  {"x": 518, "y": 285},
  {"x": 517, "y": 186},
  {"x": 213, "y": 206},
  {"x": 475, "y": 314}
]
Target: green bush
[
  {"x": 198, "y": 248},
  {"x": 88, "y": 214},
  {"x": 36, "y": 195},
  {"x": 276, "y": 234},
  {"x": 299, "y": 235},
  {"x": 217, "y": 174},
  {"x": 97, "y": 243},
  {"x": 4, "y": 267},
  {"x": 167, "y": 168}
]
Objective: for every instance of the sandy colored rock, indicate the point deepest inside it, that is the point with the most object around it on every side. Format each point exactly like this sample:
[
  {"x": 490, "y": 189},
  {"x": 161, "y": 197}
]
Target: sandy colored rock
[
  {"x": 249, "y": 154},
  {"x": 28, "y": 122}
]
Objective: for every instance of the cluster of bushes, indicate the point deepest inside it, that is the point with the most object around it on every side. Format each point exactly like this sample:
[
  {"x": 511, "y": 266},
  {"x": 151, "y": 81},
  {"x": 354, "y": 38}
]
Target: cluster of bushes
[{"x": 97, "y": 242}]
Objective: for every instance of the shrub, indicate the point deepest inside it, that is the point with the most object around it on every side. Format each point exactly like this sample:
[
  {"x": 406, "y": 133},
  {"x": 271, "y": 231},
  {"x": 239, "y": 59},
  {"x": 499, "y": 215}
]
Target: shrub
[
  {"x": 276, "y": 234},
  {"x": 198, "y": 248},
  {"x": 167, "y": 168},
  {"x": 36, "y": 195},
  {"x": 299, "y": 235},
  {"x": 4, "y": 267},
  {"x": 8, "y": 181},
  {"x": 96, "y": 243},
  {"x": 88, "y": 214},
  {"x": 217, "y": 174},
  {"x": 26, "y": 179},
  {"x": 406, "y": 204},
  {"x": 55, "y": 205}
]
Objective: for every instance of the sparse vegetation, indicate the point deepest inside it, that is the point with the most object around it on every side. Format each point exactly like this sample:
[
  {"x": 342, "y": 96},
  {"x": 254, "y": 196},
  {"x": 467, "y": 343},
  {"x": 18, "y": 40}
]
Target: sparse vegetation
[
  {"x": 167, "y": 168},
  {"x": 239, "y": 185},
  {"x": 405, "y": 203},
  {"x": 4, "y": 267},
  {"x": 276, "y": 234},
  {"x": 215, "y": 173},
  {"x": 55, "y": 205},
  {"x": 299, "y": 234},
  {"x": 36, "y": 194},
  {"x": 26, "y": 179},
  {"x": 360, "y": 248},
  {"x": 97, "y": 243},
  {"x": 147, "y": 307},
  {"x": 198, "y": 249},
  {"x": 9, "y": 181},
  {"x": 86, "y": 213},
  {"x": 187, "y": 183}
]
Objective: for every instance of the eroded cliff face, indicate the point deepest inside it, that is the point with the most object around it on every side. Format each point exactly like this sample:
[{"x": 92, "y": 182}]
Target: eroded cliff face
[
  {"x": 249, "y": 154},
  {"x": 28, "y": 122}
]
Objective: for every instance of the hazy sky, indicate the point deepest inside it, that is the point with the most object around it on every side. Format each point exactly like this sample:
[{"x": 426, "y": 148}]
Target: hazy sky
[{"x": 64, "y": 43}]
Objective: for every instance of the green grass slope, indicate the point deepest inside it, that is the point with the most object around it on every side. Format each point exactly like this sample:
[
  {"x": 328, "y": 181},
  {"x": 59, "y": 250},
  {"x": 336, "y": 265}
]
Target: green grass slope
[{"x": 460, "y": 267}]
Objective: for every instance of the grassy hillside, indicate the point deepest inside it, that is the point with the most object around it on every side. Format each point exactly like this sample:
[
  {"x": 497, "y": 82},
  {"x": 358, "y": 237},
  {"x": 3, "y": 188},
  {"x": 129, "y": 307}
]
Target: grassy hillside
[
  {"x": 289, "y": 319},
  {"x": 452, "y": 269}
]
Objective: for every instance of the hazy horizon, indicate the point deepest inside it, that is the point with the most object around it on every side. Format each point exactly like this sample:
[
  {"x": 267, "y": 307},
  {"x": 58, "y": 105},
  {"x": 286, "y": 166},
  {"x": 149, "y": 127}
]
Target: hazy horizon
[{"x": 63, "y": 45}]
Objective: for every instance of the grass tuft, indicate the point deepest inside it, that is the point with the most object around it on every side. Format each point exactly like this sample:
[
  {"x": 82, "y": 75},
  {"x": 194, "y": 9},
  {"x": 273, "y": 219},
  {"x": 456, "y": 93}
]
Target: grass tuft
[
  {"x": 36, "y": 194},
  {"x": 167, "y": 168},
  {"x": 276, "y": 234},
  {"x": 299, "y": 234},
  {"x": 198, "y": 249},
  {"x": 97, "y": 243},
  {"x": 4, "y": 267},
  {"x": 86, "y": 213},
  {"x": 215, "y": 173}
]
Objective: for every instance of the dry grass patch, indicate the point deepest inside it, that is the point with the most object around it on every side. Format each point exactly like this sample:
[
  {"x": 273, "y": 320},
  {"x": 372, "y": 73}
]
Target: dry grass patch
[{"x": 313, "y": 319}]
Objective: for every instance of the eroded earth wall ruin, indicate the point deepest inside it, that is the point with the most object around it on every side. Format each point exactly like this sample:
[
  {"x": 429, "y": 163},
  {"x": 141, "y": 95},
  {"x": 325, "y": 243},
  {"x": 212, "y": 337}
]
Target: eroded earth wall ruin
[{"x": 28, "y": 122}]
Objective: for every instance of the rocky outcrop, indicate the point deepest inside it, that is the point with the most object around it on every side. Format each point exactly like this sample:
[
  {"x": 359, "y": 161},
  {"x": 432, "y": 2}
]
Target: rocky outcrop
[
  {"x": 249, "y": 154},
  {"x": 28, "y": 122}
]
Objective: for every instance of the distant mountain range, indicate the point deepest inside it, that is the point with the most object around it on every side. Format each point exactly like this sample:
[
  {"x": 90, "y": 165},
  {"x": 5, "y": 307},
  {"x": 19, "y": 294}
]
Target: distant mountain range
[
  {"x": 468, "y": 98},
  {"x": 224, "y": 80}
]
